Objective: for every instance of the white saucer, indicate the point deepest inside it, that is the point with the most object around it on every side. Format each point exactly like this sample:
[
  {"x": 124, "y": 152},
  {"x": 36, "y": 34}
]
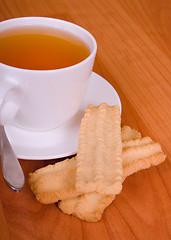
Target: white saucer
[{"x": 62, "y": 141}]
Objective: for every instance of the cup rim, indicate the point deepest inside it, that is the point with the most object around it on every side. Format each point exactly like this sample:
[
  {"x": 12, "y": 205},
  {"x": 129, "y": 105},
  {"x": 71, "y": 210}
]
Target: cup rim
[{"x": 91, "y": 55}]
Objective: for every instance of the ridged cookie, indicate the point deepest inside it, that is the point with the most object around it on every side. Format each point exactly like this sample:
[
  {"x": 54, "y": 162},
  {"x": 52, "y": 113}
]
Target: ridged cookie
[{"x": 99, "y": 157}]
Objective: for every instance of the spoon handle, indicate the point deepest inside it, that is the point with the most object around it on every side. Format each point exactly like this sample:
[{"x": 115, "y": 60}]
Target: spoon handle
[{"x": 11, "y": 168}]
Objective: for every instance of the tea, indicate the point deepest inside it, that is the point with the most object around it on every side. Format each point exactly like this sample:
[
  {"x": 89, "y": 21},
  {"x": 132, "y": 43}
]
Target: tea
[{"x": 40, "y": 51}]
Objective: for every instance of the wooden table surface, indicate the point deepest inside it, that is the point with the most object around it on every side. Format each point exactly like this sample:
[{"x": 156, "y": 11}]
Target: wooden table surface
[{"x": 134, "y": 43}]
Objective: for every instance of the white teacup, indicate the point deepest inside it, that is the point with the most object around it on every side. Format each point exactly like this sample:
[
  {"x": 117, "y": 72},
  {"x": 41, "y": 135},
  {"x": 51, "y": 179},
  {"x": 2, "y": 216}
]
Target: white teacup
[{"x": 40, "y": 100}]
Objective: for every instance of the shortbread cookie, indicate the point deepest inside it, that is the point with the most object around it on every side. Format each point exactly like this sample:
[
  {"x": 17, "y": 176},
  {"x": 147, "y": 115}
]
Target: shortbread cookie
[{"x": 99, "y": 161}]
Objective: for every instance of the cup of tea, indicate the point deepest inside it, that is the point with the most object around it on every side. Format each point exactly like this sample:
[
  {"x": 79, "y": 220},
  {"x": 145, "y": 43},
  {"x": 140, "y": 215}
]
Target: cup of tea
[{"x": 45, "y": 67}]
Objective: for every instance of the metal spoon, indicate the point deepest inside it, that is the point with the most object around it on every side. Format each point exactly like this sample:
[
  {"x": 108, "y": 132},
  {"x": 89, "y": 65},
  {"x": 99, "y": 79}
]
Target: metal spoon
[{"x": 11, "y": 168}]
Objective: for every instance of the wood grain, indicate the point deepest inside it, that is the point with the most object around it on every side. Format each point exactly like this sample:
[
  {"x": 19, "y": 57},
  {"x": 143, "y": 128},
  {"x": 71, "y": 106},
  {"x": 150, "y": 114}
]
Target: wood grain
[
  {"x": 134, "y": 43},
  {"x": 3, "y": 224}
]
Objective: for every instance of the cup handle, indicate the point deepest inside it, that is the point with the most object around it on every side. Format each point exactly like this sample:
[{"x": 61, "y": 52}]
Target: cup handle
[{"x": 9, "y": 100}]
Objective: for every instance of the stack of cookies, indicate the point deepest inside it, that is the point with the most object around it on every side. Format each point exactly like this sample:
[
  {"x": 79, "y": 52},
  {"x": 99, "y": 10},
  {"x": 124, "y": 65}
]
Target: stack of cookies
[{"x": 86, "y": 184}]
